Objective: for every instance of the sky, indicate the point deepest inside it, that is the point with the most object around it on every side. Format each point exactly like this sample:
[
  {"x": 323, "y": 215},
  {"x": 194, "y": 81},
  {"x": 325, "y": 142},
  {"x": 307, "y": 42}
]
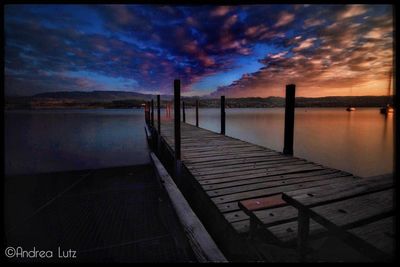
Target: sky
[{"x": 236, "y": 51}]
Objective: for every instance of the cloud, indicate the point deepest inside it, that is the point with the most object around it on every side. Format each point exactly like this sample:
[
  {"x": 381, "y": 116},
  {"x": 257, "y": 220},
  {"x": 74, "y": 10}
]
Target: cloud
[
  {"x": 352, "y": 11},
  {"x": 284, "y": 19},
  {"x": 312, "y": 22},
  {"x": 304, "y": 44},
  {"x": 220, "y": 11},
  {"x": 154, "y": 44},
  {"x": 348, "y": 55}
]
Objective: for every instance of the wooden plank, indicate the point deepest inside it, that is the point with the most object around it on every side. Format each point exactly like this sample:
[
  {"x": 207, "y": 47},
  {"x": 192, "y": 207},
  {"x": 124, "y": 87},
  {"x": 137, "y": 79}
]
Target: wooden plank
[
  {"x": 379, "y": 234},
  {"x": 254, "y": 204},
  {"x": 283, "y": 179},
  {"x": 376, "y": 204},
  {"x": 220, "y": 153},
  {"x": 276, "y": 216},
  {"x": 202, "y": 244},
  {"x": 274, "y": 190},
  {"x": 287, "y": 232},
  {"x": 289, "y": 213},
  {"x": 246, "y": 177},
  {"x": 218, "y": 158},
  {"x": 354, "y": 210},
  {"x": 248, "y": 167},
  {"x": 299, "y": 169},
  {"x": 236, "y": 216},
  {"x": 268, "y": 184},
  {"x": 231, "y": 162},
  {"x": 330, "y": 192}
]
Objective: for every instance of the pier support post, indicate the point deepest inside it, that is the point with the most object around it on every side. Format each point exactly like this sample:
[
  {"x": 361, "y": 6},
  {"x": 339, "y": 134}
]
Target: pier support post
[
  {"x": 158, "y": 115},
  {"x": 167, "y": 109},
  {"x": 158, "y": 125},
  {"x": 183, "y": 111},
  {"x": 197, "y": 113},
  {"x": 223, "y": 114},
  {"x": 148, "y": 112},
  {"x": 145, "y": 113},
  {"x": 289, "y": 119},
  {"x": 152, "y": 113},
  {"x": 177, "y": 127}
]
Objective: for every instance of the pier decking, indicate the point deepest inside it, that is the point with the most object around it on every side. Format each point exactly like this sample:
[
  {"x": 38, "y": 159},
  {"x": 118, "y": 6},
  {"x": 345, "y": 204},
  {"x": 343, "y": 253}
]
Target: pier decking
[{"x": 218, "y": 172}]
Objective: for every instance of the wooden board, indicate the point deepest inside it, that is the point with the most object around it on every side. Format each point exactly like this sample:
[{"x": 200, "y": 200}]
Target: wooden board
[{"x": 230, "y": 170}]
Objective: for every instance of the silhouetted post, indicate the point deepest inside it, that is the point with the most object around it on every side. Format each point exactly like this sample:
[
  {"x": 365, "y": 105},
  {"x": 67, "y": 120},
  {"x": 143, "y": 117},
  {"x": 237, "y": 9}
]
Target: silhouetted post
[
  {"x": 177, "y": 119},
  {"x": 145, "y": 112},
  {"x": 152, "y": 113},
  {"x": 177, "y": 124},
  {"x": 183, "y": 111},
  {"x": 158, "y": 115},
  {"x": 222, "y": 114},
  {"x": 197, "y": 113},
  {"x": 148, "y": 112},
  {"x": 289, "y": 119}
]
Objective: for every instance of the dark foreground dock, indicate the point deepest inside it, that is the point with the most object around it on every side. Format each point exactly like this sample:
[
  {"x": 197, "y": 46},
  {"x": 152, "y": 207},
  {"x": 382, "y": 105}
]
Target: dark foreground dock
[
  {"x": 108, "y": 215},
  {"x": 218, "y": 174}
]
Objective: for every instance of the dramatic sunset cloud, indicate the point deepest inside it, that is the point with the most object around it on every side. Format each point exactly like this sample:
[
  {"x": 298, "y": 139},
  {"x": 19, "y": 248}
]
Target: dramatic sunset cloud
[{"x": 248, "y": 50}]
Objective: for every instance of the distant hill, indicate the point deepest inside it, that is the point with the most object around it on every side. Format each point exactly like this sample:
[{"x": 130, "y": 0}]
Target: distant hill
[
  {"x": 105, "y": 96},
  {"x": 121, "y": 99}
]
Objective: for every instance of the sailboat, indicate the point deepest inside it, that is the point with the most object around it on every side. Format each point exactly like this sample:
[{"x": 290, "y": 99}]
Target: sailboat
[
  {"x": 388, "y": 108},
  {"x": 351, "y": 108}
]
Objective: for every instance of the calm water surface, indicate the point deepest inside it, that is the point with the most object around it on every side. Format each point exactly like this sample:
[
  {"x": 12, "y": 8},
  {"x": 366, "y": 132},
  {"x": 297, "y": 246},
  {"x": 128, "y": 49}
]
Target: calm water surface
[
  {"x": 359, "y": 142},
  {"x": 58, "y": 140}
]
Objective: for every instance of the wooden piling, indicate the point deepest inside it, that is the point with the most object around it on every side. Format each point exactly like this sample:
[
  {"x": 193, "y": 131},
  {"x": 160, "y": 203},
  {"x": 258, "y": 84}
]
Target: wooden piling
[
  {"x": 223, "y": 114},
  {"x": 158, "y": 115},
  {"x": 148, "y": 112},
  {"x": 177, "y": 119},
  {"x": 183, "y": 111},
  {"x": 289, "y": 119},
  {"x": 145, "y": 112},
  {"x": 152, "y": 113},
  {"x": 197, "y": 113}
]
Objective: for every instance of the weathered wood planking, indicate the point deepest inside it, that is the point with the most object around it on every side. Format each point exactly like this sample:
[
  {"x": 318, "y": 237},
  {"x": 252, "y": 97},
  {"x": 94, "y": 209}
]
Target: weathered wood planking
[
  {"x": 338, "y": 207},
  {"x": 202, "y": 244},
  {"x": 229, "y": 170}
]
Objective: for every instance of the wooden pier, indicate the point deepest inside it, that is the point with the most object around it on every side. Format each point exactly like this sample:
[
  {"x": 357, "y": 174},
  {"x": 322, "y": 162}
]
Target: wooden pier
[{"x": 221, "y": 177}]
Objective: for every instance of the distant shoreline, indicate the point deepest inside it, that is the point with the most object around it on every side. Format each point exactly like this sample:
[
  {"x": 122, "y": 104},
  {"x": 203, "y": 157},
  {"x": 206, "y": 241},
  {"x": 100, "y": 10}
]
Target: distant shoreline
[
  {"x": 135, "y": 108},
  {"x": 114, "y": 101}
]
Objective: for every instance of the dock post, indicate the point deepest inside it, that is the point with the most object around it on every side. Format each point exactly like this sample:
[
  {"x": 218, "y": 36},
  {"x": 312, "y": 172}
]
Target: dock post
[
  {"x": 152, "y": 113},
  {"x": 158, "y": 125},
  {"x": 197, "y": 113},
  {"x": 148, "y": 112},
  {"x": 158, "y": 115},
  {"x": 183, "y": 111},
  {"x": 289, "y": 119},
  {"x": 145, "y": 112},
  {"x": 223, "y": 114},
  {"x": 177, "y": 127}
]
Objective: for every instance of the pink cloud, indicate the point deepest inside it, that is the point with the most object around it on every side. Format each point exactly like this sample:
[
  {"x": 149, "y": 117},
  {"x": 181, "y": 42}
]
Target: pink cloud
[
  {"x": 284, "y": 19},
  {"x": 312, "y": 22},
  {"x": 220, "y": 11},
  {"x": 305, "y": 44},
  {"x": 352, "y": 11}
]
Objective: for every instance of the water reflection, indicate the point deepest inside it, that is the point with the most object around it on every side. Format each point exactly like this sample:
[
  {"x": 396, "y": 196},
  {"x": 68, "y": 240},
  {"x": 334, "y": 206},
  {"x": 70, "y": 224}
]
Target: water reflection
[
  {"x": 57, "y": 140},
  {"x": 359, "y": 142},
  {"x": 351, "y": 141}
]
